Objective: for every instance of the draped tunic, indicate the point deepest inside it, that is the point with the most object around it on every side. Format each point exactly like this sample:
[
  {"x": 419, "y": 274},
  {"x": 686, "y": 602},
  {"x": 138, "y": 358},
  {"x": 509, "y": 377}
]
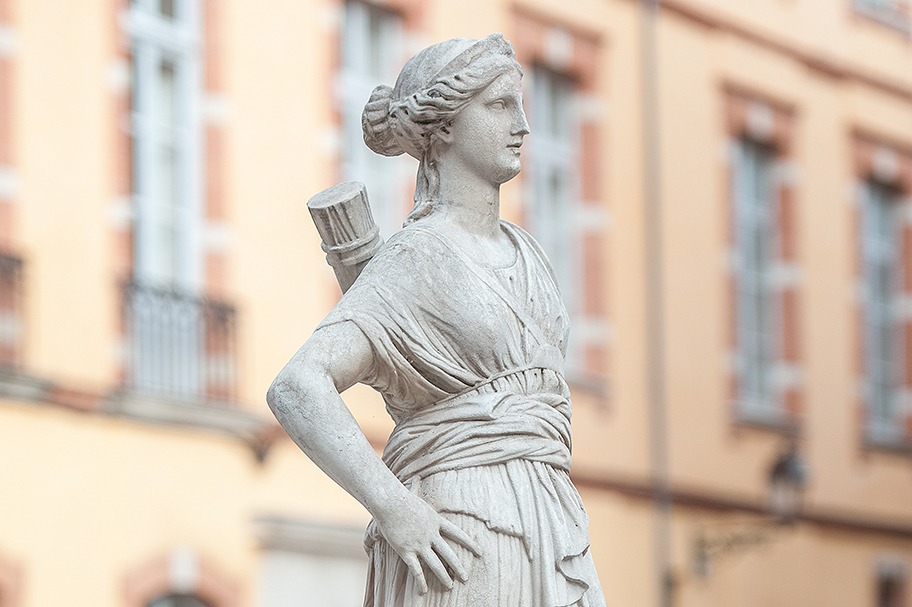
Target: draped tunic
[{"x": 469, "y": 360}]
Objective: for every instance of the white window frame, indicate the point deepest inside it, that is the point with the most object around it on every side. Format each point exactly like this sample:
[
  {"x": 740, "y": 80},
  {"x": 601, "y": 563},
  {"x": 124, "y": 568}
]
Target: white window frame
[
  {"x": 309, "y": 564},
  {"x": 882, "y": 219},
  {"x": 165, "y": 320},
  {"x": 372, "y": 49},
  {"x": 153, "y": 39},
  {"x": 758, "y": 325},
  {"x": 555, "y": 212}
]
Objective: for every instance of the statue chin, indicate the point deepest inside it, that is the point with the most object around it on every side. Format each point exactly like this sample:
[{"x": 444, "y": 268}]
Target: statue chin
[{"x": 506, "y": 174}]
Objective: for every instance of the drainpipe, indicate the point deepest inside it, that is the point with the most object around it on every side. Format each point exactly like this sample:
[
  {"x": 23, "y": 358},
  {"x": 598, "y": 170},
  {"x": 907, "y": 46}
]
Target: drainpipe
[{"x": 655, "y": 318}]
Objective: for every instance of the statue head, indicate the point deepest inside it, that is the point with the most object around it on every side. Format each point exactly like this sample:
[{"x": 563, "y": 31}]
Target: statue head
[{"x": 433, "y": 87}]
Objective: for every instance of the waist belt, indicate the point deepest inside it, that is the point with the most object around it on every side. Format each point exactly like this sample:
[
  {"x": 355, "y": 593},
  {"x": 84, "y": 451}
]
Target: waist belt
[{"x": 523, "y": 414}]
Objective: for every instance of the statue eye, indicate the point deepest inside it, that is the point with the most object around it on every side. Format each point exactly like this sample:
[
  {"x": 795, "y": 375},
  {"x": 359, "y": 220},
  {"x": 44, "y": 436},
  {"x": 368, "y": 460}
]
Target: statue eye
[{"x": 498, "y": 104}]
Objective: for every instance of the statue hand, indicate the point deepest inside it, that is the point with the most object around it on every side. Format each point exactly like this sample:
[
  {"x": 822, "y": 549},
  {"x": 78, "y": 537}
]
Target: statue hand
[{"x": 419, "y": 536}]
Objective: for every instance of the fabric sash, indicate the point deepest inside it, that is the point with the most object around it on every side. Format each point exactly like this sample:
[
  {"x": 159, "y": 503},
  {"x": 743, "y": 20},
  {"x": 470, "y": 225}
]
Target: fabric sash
[{"x": 480, "y": 428}]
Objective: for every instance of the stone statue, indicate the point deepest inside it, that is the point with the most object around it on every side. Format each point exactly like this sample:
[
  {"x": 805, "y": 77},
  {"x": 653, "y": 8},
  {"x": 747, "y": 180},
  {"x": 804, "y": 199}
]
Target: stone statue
[{"x": 458, "y": 323}]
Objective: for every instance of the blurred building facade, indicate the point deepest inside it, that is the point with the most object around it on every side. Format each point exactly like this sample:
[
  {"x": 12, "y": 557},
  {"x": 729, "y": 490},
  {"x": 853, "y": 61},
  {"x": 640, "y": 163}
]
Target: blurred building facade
[{"x": 158, "y": 267}]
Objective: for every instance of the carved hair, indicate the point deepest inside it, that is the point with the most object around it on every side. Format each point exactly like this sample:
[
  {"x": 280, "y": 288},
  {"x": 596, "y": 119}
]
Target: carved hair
[{"x": 432, "y": 88}]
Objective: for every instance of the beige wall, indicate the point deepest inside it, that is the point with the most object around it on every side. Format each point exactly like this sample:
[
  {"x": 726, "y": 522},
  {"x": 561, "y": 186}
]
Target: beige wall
[
  {"x": 65, "y": 197},
  {"x": 86, "y": 497}
]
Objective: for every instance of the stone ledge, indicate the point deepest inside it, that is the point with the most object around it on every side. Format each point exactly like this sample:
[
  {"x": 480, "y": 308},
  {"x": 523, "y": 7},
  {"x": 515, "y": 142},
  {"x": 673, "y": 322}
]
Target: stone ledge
[
  {"x": 224, "y": 418},
  {"x": 257, "y": 431},
  {"x": 308, "y": 537},
  {"x": 773, "y": 420},
  {"x": 893, "y": 444},
  {"x": 20, "y": 386}
]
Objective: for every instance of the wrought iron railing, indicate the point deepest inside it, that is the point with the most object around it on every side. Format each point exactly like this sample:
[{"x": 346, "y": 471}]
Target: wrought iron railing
[
  {"x": 10, "y": 309},
  {"x": 178, "y": 346}
]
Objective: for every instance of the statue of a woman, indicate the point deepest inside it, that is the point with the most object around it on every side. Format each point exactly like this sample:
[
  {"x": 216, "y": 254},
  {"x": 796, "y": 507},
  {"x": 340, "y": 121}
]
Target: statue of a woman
[{"x": 458, "y": 323}]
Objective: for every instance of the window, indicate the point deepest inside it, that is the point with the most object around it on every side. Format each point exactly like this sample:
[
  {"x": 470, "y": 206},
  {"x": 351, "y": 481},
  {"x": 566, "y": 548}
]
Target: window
[
  {"x": 180, "y": 578},
  {"x": 756, "y": 313},
  {"x": 884, "y": 287},
  {"x": 11, "y": 264},
  {"x": 179, "y": 343},
  {"x": 564, "y": 195},
  {"x": 166, "y": 142},
  {"x": 883, "y": 265},
  {"x": 894, "y": 13},
  {"x": 310, "y": 565},
  {"x": 554, "y": 152},
  {"x": 371, "y": 52},
  {"x": 178, "y": 600},
  {"x": 891, "y": 584},
  {"x": 889, "y": 592},
  {"x": 764, "y": 284},
  {"x": 10, "y": 309}
]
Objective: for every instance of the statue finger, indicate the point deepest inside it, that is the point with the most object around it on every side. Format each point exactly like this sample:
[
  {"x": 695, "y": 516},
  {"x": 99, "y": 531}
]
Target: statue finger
[
  {"x": 432, "y": 561},
  {"x": 456, "y": 534},
  {"x": 450, "y": 559},
  {"x": 414, "y": 567}
]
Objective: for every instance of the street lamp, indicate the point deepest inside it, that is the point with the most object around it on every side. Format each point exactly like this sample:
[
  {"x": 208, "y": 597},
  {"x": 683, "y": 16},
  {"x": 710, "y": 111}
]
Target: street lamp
[{"x": 787, "y": 481}]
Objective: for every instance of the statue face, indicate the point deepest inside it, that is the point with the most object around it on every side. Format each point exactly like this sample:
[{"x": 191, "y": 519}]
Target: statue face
[{"x": 487, "y": 134}]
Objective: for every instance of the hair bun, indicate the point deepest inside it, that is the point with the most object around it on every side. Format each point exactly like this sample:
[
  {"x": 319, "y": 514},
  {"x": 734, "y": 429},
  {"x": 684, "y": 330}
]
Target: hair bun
[{"x": 375, "y": 123}]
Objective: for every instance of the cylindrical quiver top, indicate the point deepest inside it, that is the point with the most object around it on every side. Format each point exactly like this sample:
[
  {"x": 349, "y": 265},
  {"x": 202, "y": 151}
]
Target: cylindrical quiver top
[{"x": 350, "y": 236}]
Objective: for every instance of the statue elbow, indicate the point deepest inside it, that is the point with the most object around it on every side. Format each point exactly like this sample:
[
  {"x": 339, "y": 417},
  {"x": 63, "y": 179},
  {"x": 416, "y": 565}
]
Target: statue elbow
[
  {"x": 272, "y": 397},
  {"x": 293, "y": 389},
  {"x": 284, "y": 391}
]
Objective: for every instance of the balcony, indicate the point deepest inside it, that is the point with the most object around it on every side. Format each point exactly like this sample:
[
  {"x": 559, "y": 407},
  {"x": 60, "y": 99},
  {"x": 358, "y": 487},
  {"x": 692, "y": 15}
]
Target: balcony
[
  {"x": 179, "y": 347},
  {"x": 10, "y": 310}
]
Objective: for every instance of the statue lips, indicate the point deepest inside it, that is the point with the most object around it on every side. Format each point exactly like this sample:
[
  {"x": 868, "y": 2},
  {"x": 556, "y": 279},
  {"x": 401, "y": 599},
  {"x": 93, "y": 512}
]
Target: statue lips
[{"x": 515, "y": 146}]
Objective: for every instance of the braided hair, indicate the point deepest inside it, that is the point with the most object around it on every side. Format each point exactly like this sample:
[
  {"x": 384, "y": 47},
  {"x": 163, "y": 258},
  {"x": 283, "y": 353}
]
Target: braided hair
[{"x": 432, "y": 88}]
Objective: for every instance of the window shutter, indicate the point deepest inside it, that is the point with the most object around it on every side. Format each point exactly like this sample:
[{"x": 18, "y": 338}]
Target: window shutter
[
  {"x": 788, "y": 291},
  {"x": 904, "y": 407}
]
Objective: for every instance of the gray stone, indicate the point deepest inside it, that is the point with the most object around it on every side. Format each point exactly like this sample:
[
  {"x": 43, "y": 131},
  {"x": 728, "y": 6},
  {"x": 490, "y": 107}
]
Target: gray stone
[
  {"x": 458, "y": 323},
  {"x": 350, "y": 236}
]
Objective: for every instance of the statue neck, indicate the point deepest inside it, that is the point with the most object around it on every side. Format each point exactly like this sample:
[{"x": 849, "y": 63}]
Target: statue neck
[{"x": 470, "y": 201}]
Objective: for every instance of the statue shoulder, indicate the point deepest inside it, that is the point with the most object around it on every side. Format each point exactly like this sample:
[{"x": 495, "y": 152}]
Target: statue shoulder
[
  {"x": 522, "y": 235},
  {"x": 526, "y": 238},
  {"x": 415, "y": 239},
  {"x": 410, "y": 251}
]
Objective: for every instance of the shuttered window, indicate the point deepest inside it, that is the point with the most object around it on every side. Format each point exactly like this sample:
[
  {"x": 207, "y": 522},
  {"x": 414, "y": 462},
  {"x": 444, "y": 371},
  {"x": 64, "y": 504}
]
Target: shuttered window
[
  {"x": 372, "y": 51},
  {"x": 882, "y": 235},
  {"x": 757, "y": 315},
  {"x": 554, "y": 196}
]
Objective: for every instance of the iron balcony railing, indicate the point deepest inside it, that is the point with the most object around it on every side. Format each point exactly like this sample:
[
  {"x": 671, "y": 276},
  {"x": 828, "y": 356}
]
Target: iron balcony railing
[
  {"x": 10, "y": 309},
  {"x": 178, "y": 345}
]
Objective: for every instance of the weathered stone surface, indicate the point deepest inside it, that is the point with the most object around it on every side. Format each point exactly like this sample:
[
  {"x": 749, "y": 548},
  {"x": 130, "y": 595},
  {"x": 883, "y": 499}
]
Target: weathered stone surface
[
  {"x": 350, "y": 236},
  {"x": 457, "y": 321}
]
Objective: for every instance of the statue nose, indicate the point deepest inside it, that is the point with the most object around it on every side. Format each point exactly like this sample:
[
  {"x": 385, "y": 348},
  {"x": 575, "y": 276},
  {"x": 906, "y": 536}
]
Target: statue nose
[{"x": 522, "y": 125}]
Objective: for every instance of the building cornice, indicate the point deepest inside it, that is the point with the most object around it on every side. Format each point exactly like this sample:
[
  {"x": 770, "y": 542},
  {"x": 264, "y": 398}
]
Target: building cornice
[
  {"x": 275, "y": 532},
  {"x": 719, "y": 502},
  {"x": 816, "y": 61},
  {"x": 218, "y": 417},
  {"x": 226, "y": 418}
]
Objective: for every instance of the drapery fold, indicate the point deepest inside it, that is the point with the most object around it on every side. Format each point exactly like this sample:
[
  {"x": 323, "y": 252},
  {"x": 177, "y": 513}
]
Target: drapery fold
[{"x": 468, "y": 359}]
